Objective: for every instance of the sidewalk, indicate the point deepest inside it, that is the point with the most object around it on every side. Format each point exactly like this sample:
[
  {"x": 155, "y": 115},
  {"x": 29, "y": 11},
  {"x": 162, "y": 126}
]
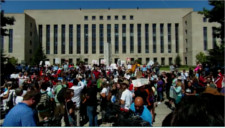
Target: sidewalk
[{"x": 161, "y": 112}]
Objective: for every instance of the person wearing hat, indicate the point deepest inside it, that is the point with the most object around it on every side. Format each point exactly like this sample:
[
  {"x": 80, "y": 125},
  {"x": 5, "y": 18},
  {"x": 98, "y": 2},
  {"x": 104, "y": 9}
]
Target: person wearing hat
[{"x": 126, "y": 97}]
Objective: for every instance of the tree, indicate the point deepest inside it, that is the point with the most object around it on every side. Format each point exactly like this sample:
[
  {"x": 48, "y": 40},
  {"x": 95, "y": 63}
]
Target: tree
[
  {"x": 13, "y": 61},
  {"x": 4, "y": 22},
  {"x": 216, "y": 15},
  {"x": 200, "y": 58},
  {"x": 216, "y": 55},
  {"x": 38, "y": 56},
  {"x": 177, "y": 60}
]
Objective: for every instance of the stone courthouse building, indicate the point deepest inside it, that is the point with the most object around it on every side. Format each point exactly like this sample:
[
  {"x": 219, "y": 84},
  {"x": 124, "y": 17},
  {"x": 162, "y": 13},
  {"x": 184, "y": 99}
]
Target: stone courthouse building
[{"x": 82, "y": 34}]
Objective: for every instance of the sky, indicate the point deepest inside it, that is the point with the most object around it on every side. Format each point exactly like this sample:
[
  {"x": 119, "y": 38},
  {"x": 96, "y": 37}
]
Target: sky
[{"x": 18, "y": 6}]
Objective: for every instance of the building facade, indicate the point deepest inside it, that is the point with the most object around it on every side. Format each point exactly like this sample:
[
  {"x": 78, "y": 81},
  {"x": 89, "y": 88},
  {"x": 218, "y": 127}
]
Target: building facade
[{"x": 146, "y": 34}]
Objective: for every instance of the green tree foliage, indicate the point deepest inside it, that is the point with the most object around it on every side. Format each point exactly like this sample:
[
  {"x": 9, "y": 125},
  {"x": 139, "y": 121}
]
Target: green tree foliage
[
  {"x": 4, "y": 22},
  {"x": 177, "y": 60},
  {"x": 38, "y": 56},
  {"x": 200, "y": 58},
  {"x": 13, "y": 61},
  {"x": 138, "y": 61},
  {"x": 216, "y": 15},
  {"x": 216, "y": 55}
]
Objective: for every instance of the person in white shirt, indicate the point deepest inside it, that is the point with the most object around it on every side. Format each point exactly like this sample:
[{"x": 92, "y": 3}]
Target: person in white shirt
[
  {"x": 126, "y": 97},
  {"x": 76, "y": 98},
  {"x": 104, "y": 94},
  {"x": 19, "y": 97}
]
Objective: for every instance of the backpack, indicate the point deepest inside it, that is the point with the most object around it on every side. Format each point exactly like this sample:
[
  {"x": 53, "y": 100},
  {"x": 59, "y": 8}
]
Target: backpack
[
  {"x": 44, "y": 102},
  {"x": 61, "y": 94},
  {"x": 10, "y": 103}
]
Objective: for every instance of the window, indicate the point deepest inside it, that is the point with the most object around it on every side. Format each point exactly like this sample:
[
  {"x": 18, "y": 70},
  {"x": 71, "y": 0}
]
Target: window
[
  {"x": 93, "y": 38},
  {"x": 101, "y": 17},
  {"x": 93, "y": 18},
  {"x": 85, "y": 38},
  {"x": 101, "y": 34},
  {"x": 162, "y": 38},
  {"x": 85, "y": 17},
  {"x": 31, "y": 33},
  {"x": 139, "y": 37},
  {"x": 140, "y": 59},
  {"x": 205, "y": 38},
  {"x": 131, "y": 38},
  {"x": 131, "y": 17},
  {"x": 115, "y": 60},
  {"x": 108, "y": 17},
  {"x": 186, "y": 60},
  {"x": 31, "y": 25},
  {"x": 155, "y": 59},
  {"x": 40, "y": 33},
  {"x": 116, "y": 17},
  {"x": 63, "y": 39},
  {"x": 177, "y": 37},
  {"x": 170, "y": 60},
  {"x": 10, "y": 40},
  {"x": 108, "y": 33},
  {"x": 70, "y": 39},
  {"x": 70, "y": 61},
  {"x": 78, "y": 60},
  {"x": 204, "y": 19},
  {"x": 30, "y": 42},
  {"x": 2, "y": 43},
  {"x": 185, "y": 22},
  {"x": 162, "y": 61},
  {"x": 78, "y": 39},
  {"x": 124, "y": 17},
  {"x": 169, "y": 38},
  {"x": 47, "y": 39},
  {"x": 124, "y": 38},
  {"x": 55, "y": 39},
  {"x": 147, "y": 60},
  {"x": 30, "y": 51},
  {"x": 154, "y": 37},
  {"x": 146, "y": 38},
  {"x": 214, "y": 36},
  {"x": 116, "y": 38},
  {"x": 86, "y": 61}
]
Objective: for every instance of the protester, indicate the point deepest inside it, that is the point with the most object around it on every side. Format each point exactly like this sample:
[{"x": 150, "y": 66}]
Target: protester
[
  {"x": 141, "y": 110},
  {"x": 22, "y": 114}
]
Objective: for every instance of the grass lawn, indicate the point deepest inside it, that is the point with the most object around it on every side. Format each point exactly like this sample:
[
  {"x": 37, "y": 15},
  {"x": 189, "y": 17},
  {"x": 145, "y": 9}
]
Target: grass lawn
[{"x": 181, "y": 68}]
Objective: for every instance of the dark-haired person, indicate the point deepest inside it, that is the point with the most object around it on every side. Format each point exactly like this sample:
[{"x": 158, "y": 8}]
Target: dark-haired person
[
  {"x": 204, "y": 110},
  {"x": 91, "y": 102},
  {"x": 69, "y": 116},
  {"x": 76, "y": 98},
  {"x": 23, "y": 114}
]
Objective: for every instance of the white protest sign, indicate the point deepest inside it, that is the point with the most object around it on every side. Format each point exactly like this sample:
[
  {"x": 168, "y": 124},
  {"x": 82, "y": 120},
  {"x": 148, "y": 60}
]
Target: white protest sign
[
  {"x": 140, "y": 82},
  {"x": 57, "y": 61},
  {"x": 94, "y": 62},
  {"x": 150, "y": 63}
]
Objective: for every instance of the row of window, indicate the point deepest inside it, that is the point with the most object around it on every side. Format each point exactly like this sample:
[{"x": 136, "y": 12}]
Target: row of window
[
  {"x": 86, "y": 60},
  {"x": 108, "y": 35},
  {"x": 124, "y": 17}
]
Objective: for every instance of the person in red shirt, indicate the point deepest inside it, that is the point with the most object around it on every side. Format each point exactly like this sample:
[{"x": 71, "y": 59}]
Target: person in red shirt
[
  {"x": 219, "y": 80},
  {"x": 96, "y": 73}
]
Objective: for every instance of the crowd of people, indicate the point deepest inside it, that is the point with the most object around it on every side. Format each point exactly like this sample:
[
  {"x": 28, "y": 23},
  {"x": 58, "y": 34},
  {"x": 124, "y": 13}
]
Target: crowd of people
[{"x": 68, "y": 95}]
